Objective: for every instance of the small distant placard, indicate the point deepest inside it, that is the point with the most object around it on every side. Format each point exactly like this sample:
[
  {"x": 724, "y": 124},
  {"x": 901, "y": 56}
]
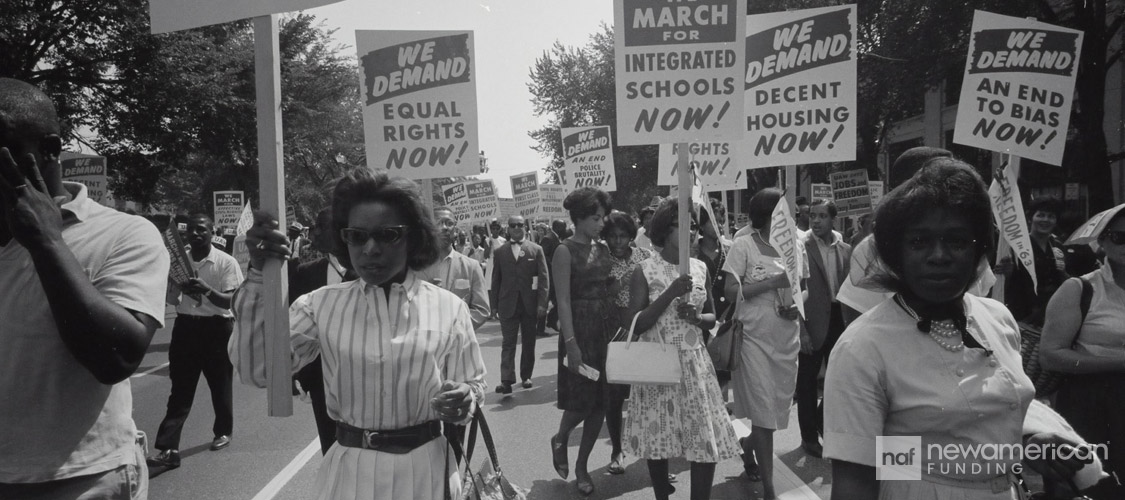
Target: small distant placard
[{"x": 851, "y": 192}]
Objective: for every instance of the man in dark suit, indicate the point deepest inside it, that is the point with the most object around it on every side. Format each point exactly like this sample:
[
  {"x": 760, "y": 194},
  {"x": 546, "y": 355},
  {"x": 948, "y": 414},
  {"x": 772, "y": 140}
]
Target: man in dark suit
[
  {"x": 303, "y": 279},
  {"x": 824, "y": 321},
  {"x": 550, "y": 241},
  {"x": 520, "y": 282}
]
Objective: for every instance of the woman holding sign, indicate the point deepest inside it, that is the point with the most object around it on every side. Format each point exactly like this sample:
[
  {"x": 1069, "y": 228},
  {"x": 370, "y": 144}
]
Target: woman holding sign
[
  {"x": 767, "y": 379},
  {"x": 933, "y": 365}
]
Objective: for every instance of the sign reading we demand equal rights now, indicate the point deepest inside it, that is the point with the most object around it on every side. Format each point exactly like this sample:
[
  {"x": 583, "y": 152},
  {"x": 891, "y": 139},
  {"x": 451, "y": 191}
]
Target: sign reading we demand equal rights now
[
  {"x": 800, "y": 87},
  {"x": 1018, "y": 87},
  {"x": 420, "y": 108},
  {"x": 588, "y": 158},
  {"x": 678, "y": 70}
]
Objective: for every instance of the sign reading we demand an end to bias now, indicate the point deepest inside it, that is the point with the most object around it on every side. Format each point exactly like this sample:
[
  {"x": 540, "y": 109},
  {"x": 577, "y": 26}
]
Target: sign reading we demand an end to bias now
[
  {"x": 678, "y": 66},
  {"x": 419, "y": 102},
  {"x": 1018, "y": 87},
  {"x": 588, "y": 158},
  {"x": 800, "y": 86}
]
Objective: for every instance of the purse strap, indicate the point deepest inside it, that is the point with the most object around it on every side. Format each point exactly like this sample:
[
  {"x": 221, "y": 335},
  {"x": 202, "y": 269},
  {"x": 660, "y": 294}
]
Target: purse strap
[{"x": 479, "y": 422}]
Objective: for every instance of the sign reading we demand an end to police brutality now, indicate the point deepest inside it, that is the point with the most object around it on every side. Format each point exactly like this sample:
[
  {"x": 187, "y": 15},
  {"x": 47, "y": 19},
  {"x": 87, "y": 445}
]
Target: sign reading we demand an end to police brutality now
[
  {"x": 678, "y": 67},
  {"x": 1018, "y": 87},
  {"x": 419, "y": 102},
  {"x": 588, "y": 158},
  {"x": 800, "y": 87}
]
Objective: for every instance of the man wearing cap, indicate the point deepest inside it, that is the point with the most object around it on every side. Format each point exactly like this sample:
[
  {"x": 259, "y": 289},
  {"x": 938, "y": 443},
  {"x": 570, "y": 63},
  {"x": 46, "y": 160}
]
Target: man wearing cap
[
  {"x": 296, "y": 237},
  {"x": 519, "y": 291}
]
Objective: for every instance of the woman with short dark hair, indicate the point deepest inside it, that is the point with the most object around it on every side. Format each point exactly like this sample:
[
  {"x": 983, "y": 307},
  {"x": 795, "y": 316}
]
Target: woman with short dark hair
[
  {"x": 386, "y": 334},
  {"x": 581, "y": 268}
]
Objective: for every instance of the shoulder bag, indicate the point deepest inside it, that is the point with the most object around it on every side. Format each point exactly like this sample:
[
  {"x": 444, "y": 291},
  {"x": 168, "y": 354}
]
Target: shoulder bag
[
  {"x": 652, "y": 363},
  {"x": 726, "y": 346},
  {"x": 489, "y": 482}
]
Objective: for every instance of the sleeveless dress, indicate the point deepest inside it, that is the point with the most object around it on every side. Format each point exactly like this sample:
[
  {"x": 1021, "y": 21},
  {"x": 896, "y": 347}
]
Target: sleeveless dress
[
  {"x": 594, "y": 322},
  {"x": 689, "y": 419}
]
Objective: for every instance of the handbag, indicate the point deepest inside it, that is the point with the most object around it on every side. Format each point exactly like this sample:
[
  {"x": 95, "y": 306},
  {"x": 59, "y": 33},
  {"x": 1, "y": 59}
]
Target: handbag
[
  {"x": 651, "y": 363},
  {"x": 726, "y": 346},
  {"x": 1046, "y": 382},
  {"x": 488, "y": 483}
]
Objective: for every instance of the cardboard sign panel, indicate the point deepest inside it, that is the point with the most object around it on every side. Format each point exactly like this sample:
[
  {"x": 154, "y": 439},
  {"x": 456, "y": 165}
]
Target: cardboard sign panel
[
  {"x": 800, "y": 85},
  {"x": 525, "y": 194},
  {"x": 678, "y": 67},
  {"x": 175, "y": 15},
  {"x": 851, "y": 192},
  {"x": 229, "y": 206},
  {"x": 481, "y": 201},
  {"x": 588, "y": 156},
  {"x": 90, "y": 171},
  {"x": 715, "y": 163},
  {"x": 1018, "y": 87},
  {"x": 419, "y": 102},
  {"x": 551, "y": 201}
]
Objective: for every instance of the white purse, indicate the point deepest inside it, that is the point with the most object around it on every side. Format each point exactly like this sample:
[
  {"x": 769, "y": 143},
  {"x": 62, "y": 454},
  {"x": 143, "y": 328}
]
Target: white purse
[{"x": 652, "y": 363}]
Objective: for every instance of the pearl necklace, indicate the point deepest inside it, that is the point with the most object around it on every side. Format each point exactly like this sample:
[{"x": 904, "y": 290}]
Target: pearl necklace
[{"x": 941, "y": 331}]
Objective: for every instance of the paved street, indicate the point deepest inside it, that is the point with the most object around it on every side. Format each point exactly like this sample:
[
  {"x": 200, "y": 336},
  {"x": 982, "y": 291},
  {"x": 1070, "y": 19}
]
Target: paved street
[{"x": 278, "y": 457}]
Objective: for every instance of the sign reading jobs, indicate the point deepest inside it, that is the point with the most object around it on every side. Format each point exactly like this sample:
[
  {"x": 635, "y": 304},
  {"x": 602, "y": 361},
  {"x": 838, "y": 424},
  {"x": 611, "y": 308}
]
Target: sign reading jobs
[
  {"x": 678, "y": 67},
  {"x": 1018, "y": 87},
  {"x": 588, "y": 156},
  {"x": 851, "y": 192},
  {"x": 419, "y": 102},
  {"x": 800, "y": 86}
]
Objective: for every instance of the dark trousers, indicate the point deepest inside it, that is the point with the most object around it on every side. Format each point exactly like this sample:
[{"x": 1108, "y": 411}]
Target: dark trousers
[
  {"x": 311, "y": 378},
  {"x": 510, "y": 328},
  {"x": 810, "y": 413},
  {"x": 1094, "y": 404},
  {"x": 199, "y": 345}
]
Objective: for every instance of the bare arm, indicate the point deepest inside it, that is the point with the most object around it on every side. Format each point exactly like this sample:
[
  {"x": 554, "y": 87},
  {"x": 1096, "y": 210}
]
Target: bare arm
[{"x": 1063, "y": 321}]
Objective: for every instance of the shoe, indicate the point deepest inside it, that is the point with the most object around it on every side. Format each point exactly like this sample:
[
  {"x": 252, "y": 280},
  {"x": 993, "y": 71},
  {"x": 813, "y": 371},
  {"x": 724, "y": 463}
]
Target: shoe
[
  {"x": 586, "y": 486},
  {"x": 813, "y": 448},
  {"x": 615, "y": 467},
  {"x": 504, "y": 389},
  {"x": 167, "y": 459},
  {"x": 220, "y": 442},
  {"x": 558, "y": 457},
  {"x": 526, "y": 384}
]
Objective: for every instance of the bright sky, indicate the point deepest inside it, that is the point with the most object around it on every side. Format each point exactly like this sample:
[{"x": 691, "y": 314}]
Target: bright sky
[{"x": 509, "y": 36}]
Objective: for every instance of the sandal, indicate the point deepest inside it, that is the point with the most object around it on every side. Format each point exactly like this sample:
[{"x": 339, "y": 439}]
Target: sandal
[
  {"x": 752, "y": 473},
  {"x": 558, "y": 456},
  {"x": 585, "y": 486},
  {"x": 615, "y": 467}
]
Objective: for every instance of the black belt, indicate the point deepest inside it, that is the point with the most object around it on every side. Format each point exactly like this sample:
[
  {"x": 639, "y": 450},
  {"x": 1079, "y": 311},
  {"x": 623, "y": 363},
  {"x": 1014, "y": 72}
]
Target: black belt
[{"x": 397, "y": 441}]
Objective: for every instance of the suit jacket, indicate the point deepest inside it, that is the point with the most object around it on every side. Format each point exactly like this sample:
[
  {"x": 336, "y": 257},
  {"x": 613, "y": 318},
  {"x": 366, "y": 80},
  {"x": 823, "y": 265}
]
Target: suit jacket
[
  {"x": 513, "y": 281},
  {"x": 304, "y": 278},
  {"x": 818, "y": 305}
]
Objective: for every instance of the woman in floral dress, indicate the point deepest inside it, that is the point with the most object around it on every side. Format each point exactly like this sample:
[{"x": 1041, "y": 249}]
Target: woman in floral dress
[{"x": 688, "y": 419}]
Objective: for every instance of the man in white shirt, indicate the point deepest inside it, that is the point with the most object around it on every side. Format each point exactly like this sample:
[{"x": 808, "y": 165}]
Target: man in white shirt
[{"x": 199, "y": 344}]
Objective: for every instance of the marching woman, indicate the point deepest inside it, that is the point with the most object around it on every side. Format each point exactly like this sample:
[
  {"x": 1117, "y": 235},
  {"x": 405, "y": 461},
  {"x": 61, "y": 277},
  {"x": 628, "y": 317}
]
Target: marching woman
[
  {"x": 399, "y": 354},
  {"x": 688, "y": 419}
]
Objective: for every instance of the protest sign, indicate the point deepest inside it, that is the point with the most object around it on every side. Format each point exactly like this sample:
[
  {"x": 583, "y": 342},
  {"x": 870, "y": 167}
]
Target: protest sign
[
  {"x": 481, "y": 202},
  {"x": 456, "y": 198},
  {"x": 851, "y": 193},
  {"x": 525, "y": 193},
  {"x": 551, "y": 198},
  {"x": 245, "y": 220},
  {"x": 228, "y": 208},
  {"x": 507, "y": 208},
  {"x": 821, "y": 192},
  {"x": 1007, "y": 210},
  {"x": 876, "y": 190},
  {"x": 175, "y": 15},
  {"x": 90, "y": 171},
  {"x": 800, "y": 84},
  {"x": 714, "y": 163},
  {"x": 784, "y": 238},
  {"x": 419, "y": 102},
  {"x": 679, "y": 68},
  {"x": 180, "y": 270},
  {"x": 588, "y": 158},
  {"x": 1018, "y": 87}
]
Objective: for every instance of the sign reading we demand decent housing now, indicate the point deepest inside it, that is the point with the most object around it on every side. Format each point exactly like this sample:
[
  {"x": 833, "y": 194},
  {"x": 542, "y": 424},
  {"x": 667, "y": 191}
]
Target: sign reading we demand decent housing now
[
  {"x": 800, "y": 86},
  {"x": 678, "y": 67},
  {"x": 420, "y": 109},
  {"x": 1018, "y": 87}
]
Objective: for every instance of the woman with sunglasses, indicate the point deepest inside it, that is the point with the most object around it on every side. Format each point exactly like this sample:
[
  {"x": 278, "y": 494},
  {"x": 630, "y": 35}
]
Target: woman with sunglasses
[
  {"x": 1091, "y": 349},
  {"x": 688, "y": 419},
  {"x": 400, "y": 355},
  {"x": 582, "y": 281},
  {"x": 932, "y": 362},
  {"x": 765, "y": 383}
]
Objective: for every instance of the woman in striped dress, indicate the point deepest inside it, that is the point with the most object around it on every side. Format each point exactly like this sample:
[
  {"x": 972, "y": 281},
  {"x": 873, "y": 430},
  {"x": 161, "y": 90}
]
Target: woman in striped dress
[{"x": 399, "y": 354}]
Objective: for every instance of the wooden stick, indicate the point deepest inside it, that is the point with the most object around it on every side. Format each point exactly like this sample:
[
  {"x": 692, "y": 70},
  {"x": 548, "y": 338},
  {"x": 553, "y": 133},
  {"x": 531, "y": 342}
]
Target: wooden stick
[{"x": 685, "y": 205}]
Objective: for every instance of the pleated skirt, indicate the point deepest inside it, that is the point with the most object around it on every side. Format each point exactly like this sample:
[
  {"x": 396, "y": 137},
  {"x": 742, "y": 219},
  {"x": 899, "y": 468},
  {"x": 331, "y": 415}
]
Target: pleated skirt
[{"x": 359, "y": 474}]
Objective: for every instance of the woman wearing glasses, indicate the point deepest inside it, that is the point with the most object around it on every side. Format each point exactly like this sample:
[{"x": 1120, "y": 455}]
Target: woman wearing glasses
[
  {"x": 931, "y": 361},
  {"x": 399, "y": 353},
  {"x": 1091, "y": 349}
]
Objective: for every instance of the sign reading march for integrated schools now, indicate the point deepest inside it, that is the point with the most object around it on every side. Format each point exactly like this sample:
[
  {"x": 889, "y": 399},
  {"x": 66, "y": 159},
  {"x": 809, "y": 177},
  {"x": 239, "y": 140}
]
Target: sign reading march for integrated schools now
[
  {"x": 678, "y": 67},
  {"x": 588, "y": 157},
  {"x": 800, "y": 87},
  {"x": 420, "y": 109},
  {"x": 1018, "y": 87},
  {"x": 715, "y": 163}
]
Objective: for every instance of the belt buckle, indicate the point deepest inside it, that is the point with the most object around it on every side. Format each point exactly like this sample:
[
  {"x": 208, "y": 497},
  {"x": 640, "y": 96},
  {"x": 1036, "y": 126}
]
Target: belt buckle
[{"x": 369, "y": 439}]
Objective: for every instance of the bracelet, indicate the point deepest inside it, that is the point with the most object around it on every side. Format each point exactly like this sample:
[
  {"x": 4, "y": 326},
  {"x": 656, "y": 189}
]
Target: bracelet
[{"x": 569, "y": 340}]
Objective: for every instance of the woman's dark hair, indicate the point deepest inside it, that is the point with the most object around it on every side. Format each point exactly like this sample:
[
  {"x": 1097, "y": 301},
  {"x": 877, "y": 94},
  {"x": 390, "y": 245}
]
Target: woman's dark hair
[
  {"x": 361, "y": 185},
  {"x": 619, "y": 220},
  {"x": 717, "y": 208},
  {"x": 762, "y": 205},
  {"x": 943, "y": 183},
  {"x": 584, "y": 202},
  {"x": 661, "y": 224},
  {"x": 1048, "y": 204}
]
